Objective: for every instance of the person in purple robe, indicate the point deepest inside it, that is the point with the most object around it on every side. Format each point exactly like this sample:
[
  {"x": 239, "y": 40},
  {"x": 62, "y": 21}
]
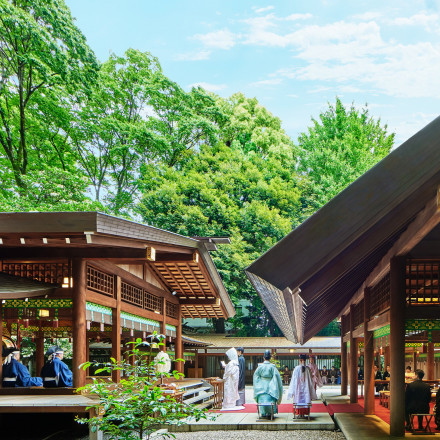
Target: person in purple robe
[{"x": 15, "y": 374}]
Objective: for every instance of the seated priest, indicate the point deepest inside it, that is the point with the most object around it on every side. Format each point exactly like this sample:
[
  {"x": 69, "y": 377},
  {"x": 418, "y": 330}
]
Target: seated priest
[
  {"x": 15, "y": 374},
  {"x": 417, "y": 399},
  {"x": 55, "y": 372}
]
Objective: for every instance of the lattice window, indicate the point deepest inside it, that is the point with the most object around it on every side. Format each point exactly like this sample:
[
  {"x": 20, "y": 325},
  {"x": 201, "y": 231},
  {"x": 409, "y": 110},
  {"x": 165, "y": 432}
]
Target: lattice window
[
  {"x": 171, "y": 310},
  {"x": 52, "y": 273},
  {"x": 100, "y": 281},
  {"x": 380, "y": 296},
  {"x": 153, "y": 303},
  {"x": 131, "y": 294},
  {"x": 422, "y": 280}
]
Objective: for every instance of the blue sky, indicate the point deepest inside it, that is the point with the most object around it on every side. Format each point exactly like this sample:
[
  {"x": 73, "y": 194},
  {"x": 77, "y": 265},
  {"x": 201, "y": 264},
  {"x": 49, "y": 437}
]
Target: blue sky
[{"x": 293, "y": 56}]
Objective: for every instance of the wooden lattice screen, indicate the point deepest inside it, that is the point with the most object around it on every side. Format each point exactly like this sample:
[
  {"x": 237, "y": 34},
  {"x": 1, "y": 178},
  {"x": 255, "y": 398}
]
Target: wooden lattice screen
[
  {"x": 422, "y": 282},
  {"x": 52, "y": 273},
  {"x": 171, "y": 310},
  {"x": 100, "y": 282},
  {"x": 380, "y": 296}
]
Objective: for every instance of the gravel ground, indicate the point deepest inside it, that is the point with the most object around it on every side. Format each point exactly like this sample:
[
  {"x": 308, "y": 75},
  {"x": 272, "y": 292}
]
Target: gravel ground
[{"x": 257, "y": 435}]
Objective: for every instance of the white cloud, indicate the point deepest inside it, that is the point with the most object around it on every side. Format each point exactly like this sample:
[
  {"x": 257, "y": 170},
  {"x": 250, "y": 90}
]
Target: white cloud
[
  {"x": 194, "y": 56},
  {"x": 222, "y": 39},
  {"x": 267, "y": 82},
  {"x": 261, "y": 10},
  {"x": 295, "y": 17},
  {"x": 367, "y": 16},
  {"x": 208, "y": 86},
  {"x": 422, "y": 19}
]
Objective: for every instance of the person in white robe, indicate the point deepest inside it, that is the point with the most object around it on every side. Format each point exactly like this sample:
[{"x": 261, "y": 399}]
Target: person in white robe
[
  {"x": 301, "y": 386},
  {"x": 316, "y": 375},
  {"x": 230, "y": 377}
]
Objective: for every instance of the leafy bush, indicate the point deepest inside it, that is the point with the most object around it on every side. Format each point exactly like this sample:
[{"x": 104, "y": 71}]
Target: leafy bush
[{"x": 138, "y": 405}]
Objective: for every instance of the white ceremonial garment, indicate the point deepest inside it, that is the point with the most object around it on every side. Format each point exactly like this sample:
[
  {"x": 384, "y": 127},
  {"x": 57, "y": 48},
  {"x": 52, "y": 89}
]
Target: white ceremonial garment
[
  {"x": 230, "y": 395},
  {"x": 302, "y": 388},
  {"x": 316, "y": 375}
]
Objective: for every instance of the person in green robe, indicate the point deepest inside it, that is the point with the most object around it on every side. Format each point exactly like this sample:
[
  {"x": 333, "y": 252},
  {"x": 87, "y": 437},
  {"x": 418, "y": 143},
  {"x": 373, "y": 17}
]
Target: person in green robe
[{"x": 268, "y": 386}]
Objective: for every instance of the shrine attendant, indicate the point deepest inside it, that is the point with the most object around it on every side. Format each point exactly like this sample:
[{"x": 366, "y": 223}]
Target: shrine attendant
[
  {"x": 316, "y": 376},
  {"x": 15, "y": 374},
  {"x": 268, "y": 387},
  {"x": 301, "y": 386},
  {"x": 55, "y": 372},
  {"x": 231, "y": 377}
]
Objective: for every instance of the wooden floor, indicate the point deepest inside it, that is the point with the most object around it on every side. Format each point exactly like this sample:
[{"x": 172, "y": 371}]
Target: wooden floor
[{"x": 46, "y": 403}]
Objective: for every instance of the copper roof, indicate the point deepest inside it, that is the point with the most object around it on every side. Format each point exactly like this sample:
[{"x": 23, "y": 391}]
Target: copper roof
[
  {"x": 309, "y": 276},
  {"x": 222, "y": 341}
]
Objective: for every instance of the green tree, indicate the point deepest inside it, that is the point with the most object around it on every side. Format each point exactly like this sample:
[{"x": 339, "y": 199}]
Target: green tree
[
  {"x": 45, "y": 68},
  {"x": 338, "y": 148},
  {"x": 137, "y": 406},
  {"x": 227, "y": 191},
  {"x": 253, "y": 126}
]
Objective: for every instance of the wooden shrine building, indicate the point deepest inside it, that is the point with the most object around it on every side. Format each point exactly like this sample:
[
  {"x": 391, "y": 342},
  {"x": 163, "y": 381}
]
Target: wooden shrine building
[
  {"x": 88, "y": 276},
  {"x": 370, "y": 256}
]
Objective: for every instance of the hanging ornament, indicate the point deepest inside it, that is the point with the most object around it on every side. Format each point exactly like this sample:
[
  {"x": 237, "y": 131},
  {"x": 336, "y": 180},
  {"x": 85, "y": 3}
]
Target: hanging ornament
[
  {"x": 33, "y": 338},
  {"x": 102, "y": 327},
  {"x": 70, "y": 340},
  {"x": 98, "y": 338},
  {"x": 51, "y": 339},
  {"x": 26, "y": 323},
  {"x": 55, "y": 323}
]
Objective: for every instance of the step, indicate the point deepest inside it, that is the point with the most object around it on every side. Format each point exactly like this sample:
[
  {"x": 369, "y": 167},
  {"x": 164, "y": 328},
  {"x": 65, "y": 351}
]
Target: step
[
  {"x": 200, "y": 397},
  {"x": 205, "y": 405},
  {"x": 196, "y": 390}
]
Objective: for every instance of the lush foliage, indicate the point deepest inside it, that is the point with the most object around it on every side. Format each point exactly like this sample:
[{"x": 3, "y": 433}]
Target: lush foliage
[
  {"x": 137, "y": 405},
  {"x": 123, "y": 138},
  {"x": 339, "y": 147},
  {"x": 228, "y": 191}
]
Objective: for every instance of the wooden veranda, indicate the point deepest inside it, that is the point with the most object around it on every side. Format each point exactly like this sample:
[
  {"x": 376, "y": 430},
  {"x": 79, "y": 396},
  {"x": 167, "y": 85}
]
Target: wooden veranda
[
  {"x": 88, "y": 277},
  {"x": 370, "y": 256}
]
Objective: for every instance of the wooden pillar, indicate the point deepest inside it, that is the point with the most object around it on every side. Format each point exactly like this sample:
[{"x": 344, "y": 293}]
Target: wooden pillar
[
  {"x": 397, "y": 342},
  {"x": 87, "y": 348},
  {"x": 79, "y": 321},
  {"x": 179, "y": 342},
  {"x": 39, "y": 352},
  {"x": 414, "y": 362},
  {"x": 430, "y": 361},
  {"x": 368, "y": 359},
  {"x": 196, "y": 364},
  {"x": 163, "y": 326},
  {"x": 344, "y": 367},
  {"x": 1, "y": 340},
  {"x": 116, "y": 331},
  {"x": 132, "y": 358},
  {"x": 353, "y": 360}
]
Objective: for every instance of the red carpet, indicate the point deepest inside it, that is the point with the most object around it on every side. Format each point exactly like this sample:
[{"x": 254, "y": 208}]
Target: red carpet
[
  {"x": 384, "y": 413},
  {"x": 283, "y": 408}
]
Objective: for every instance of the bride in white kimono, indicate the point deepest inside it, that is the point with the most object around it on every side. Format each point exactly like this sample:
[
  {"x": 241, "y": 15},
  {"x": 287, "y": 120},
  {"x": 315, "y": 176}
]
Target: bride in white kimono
[
  {"x": 302, "y": 388},
  {"x": 230, "y": 377}
]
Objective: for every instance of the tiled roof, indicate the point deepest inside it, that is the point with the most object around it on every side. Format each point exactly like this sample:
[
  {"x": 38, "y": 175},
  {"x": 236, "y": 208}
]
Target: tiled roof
[{"x": 222, "y": 341}]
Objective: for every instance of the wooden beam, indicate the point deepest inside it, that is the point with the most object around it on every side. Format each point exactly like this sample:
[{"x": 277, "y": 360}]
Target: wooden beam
[
  {"x": 426, "y": 220},
  {"x": 175, "y": 257},
  {"x": 379, "y": 322},
  {"x": 200, "y": 301},
  {"x": 425, "y": 312},
  {"x": 358, "y": 332},
  {"x": 69, "y": 251}
]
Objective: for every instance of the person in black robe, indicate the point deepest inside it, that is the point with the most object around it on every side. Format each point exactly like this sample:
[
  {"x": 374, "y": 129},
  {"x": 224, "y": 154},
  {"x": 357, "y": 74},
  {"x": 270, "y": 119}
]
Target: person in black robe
[
  {"x": 241, "y": 377},
  {"x": 417, "y": 399},
  {"x": 55, "y": 372},
  {"x": 14, "y": 373},
  {"x": 378, "y": 376}
]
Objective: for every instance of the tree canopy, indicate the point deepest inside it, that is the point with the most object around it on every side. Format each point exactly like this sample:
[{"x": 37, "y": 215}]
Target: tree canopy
[{"x": 122, "y": 137}]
